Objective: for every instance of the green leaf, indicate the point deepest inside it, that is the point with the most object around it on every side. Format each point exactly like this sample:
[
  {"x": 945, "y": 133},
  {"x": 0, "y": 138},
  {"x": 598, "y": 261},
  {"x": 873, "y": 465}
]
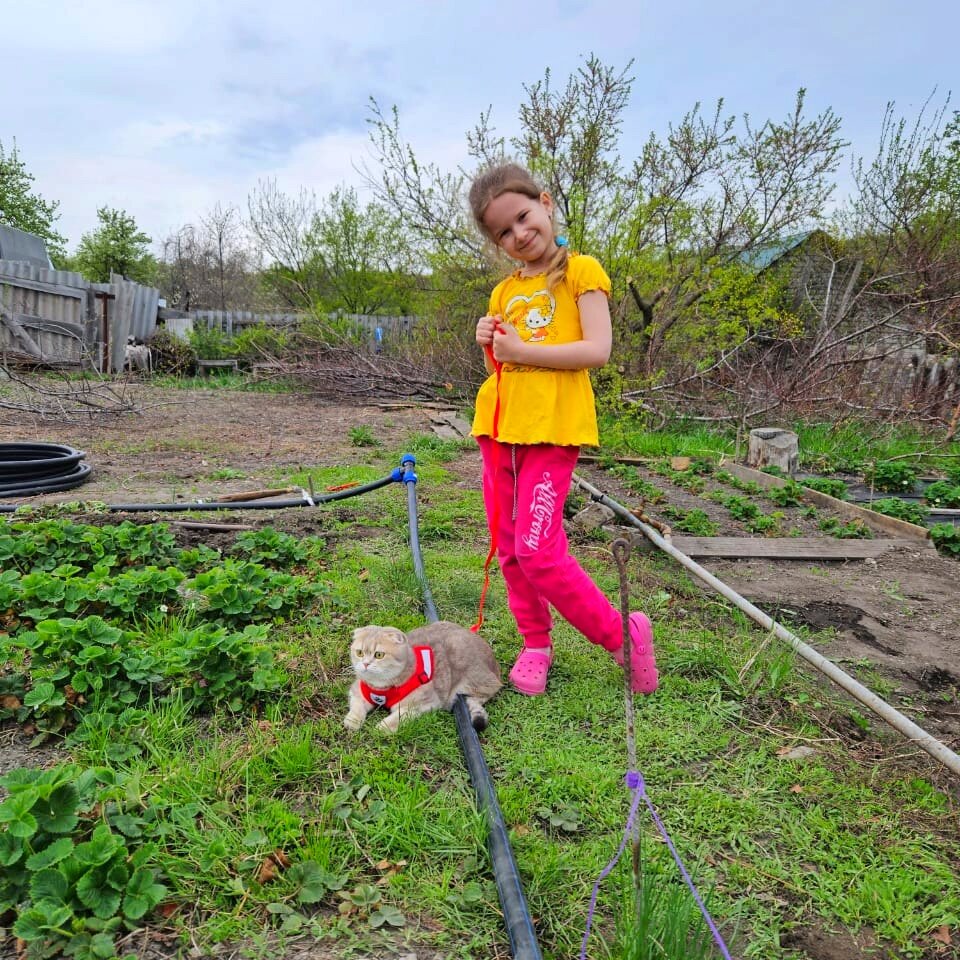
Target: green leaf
[
  {"x": 37, "y": 922},
  {"x": 314, "y": 882},
  {"x": 11, "y": 849},
  {"x": 49, "y": 884},
  {"x": 100, "y": 848},
  {"x": 94, "y": 893},
  {"x": 387, "y": 914},
  {"x": 364, "y": 895},
  {"x": 143, "y": 894},
  {"x": 57, "y": 813},
  {"x": 16, "y": 812}
]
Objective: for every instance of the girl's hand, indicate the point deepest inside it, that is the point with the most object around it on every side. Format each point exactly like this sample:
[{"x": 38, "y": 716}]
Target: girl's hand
[
  {"x": 508, "y": 345},
  {"x": 485, "y": 328}
]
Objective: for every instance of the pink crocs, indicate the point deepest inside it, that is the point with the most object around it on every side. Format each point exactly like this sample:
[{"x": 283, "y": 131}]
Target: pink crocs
[
  {"x": 644, "y": 677},
  {"x": 529, "y": 673}
]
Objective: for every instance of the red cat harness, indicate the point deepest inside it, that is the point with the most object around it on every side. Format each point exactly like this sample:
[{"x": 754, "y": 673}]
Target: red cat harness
[{"x": 391, "y": 696}]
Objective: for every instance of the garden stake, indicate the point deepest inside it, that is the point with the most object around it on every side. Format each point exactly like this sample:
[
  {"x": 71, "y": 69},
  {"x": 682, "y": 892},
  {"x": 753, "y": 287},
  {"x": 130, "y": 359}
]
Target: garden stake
[{"x": 634, "y": 782}]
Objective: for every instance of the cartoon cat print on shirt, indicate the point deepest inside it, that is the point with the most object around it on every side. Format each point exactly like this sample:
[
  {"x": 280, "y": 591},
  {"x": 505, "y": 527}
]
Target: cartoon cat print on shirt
[{"x": 532, "y": 316}]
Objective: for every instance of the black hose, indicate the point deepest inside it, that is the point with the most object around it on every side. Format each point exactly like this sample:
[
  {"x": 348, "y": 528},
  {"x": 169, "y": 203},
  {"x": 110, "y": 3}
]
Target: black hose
[
  {"x": 30, "y": 468},
  {"x": 304, "y": 501},
  {"x": 516, "y": 915}
]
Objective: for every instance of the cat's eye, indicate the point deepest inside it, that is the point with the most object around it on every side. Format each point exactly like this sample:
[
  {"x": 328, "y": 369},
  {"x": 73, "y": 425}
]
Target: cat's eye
[
  {"x": 358, "y": 652},
  {"x": 379, "y": 655}
]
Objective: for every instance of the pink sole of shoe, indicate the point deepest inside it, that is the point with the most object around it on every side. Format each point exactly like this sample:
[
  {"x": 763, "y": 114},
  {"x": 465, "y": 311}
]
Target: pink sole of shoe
[{"x": 529, "y": 673}]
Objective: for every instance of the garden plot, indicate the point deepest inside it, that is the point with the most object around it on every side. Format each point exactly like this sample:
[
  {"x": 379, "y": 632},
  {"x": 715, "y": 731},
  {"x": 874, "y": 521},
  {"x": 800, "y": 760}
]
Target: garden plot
[
  {"x": 892, "y": 617},
  {"x": 204, "y": 444}
]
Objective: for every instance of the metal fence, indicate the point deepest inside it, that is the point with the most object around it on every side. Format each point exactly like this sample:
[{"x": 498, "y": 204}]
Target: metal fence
[
  {"x": 59, "y": 318},
  {"x": 376, "y": 329}
]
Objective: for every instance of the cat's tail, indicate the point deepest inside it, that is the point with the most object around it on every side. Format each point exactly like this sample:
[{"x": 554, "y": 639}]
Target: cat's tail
[{"x": 478, "y": 715}]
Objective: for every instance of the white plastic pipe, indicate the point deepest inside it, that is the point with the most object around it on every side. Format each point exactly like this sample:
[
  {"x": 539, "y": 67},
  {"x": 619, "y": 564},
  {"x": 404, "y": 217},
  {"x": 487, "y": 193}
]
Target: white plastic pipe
[{"x": 919, "y": 736}]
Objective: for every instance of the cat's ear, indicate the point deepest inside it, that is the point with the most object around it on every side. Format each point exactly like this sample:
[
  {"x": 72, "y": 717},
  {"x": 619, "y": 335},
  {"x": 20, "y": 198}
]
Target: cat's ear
[
  {"x": 362, "y": 633},
  {"x": 397, "y": 636}
]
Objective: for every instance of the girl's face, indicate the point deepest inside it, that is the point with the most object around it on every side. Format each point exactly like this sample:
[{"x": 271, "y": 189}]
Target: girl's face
[{"x": 523, "y": 228}]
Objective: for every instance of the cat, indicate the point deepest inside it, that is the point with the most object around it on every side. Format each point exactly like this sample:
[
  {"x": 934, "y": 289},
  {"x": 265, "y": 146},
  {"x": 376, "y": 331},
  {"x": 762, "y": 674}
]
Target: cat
[{"x": 427, "y": 667}]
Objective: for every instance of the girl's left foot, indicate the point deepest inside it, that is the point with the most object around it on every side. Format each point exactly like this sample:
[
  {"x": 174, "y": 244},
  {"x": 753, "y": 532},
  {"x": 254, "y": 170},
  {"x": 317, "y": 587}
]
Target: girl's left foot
[
  {"x": 529, "y": 673},
  {"x": 643, "y": 665}
]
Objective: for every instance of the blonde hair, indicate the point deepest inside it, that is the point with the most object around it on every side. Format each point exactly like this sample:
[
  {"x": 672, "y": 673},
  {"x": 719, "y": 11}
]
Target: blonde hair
[{"x": 512, "y": 178}]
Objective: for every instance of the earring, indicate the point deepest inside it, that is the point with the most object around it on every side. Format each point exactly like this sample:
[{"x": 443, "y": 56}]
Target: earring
[{"x": 561, "y": 241}]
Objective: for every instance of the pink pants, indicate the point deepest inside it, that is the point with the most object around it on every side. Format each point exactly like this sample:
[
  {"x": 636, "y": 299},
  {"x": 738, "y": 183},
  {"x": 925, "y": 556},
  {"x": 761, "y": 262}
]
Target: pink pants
[{"x": 524, "y": 489}]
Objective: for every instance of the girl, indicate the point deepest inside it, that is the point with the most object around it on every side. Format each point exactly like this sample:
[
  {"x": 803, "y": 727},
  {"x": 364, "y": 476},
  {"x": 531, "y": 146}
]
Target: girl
[{"x": 548, "y": 324}]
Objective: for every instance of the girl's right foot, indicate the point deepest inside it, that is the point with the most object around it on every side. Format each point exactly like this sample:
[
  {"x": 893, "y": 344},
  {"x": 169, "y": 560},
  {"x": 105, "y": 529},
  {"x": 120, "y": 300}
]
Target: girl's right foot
[
  {"x": 529, "y": 673},
  {"x": 643, "y": 665}
]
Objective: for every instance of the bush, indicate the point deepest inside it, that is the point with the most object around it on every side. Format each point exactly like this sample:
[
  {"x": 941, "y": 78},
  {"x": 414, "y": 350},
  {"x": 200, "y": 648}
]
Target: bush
[
  {"x": 893, "y": 476},
  {"x": 946, "y": 537},
  {"x": 829, "y": 486},
  {"x": 901, "y": 509},
  {"x": 172, "y": 354},
  {"x": 943, "y": 494}
]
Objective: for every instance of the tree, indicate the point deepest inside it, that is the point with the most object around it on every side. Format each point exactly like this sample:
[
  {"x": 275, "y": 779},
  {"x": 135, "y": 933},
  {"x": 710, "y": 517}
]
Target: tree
[
  {"x": 340, "y": 255},
  {"x": 210, "y": 266},
  {"x": 20, "y": 207},
  {"x": 117, "y": 246},
  {"x": 670, "y": 227}
]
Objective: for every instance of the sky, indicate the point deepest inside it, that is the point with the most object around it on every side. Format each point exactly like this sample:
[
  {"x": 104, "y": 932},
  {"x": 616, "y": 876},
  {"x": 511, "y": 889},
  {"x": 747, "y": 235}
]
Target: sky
[{"x": 165, "y": 108}]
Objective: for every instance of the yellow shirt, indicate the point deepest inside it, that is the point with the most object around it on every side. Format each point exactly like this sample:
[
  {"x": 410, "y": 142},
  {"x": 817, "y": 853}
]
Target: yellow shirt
[{"x": 537, "y": 404}]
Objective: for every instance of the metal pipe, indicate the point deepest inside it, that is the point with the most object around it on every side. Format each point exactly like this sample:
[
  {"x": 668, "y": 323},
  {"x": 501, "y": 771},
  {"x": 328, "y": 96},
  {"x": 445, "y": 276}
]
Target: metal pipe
[
  {"x": 919, "y": 736},
  {"x": 516, "y": 915}
]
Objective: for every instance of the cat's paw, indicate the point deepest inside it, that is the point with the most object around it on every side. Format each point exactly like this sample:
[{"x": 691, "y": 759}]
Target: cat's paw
[
  {"x": 390, "y": 723},
  {"x": 353, "y": 721}
]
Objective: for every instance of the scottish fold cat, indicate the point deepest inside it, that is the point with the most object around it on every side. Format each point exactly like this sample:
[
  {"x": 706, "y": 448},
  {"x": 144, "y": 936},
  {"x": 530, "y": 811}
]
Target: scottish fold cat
[{"x": 413, "y": 673}]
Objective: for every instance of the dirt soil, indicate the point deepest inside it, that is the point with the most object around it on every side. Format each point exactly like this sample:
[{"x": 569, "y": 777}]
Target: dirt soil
[{"x": 897, "y": 616}]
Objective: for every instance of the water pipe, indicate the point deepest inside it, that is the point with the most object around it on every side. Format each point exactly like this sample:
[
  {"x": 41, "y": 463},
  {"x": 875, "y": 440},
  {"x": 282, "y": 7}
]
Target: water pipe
[
  {"x": 516, "y": 915},
  {"x": 939, "y": 751},
  {"x": 306, "y": 500}
]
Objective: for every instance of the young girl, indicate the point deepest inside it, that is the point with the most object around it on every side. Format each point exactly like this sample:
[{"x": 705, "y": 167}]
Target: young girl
[{"x": 547, "y": 325}]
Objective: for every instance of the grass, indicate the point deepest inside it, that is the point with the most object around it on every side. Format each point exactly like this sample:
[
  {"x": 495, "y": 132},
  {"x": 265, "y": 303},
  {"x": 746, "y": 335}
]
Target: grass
[
  {"x": 847, "y": 447},
  {"x": 270, "y": 822}
]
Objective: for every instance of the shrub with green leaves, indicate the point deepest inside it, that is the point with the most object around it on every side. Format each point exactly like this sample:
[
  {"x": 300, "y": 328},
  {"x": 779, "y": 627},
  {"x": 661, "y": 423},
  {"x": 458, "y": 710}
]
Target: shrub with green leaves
[
  {"x": 892, "y": 476},
  {"x": 238, "y": 590},
  {"x": 270, "y": 547},
  {"x": 845, "y": 529},
  {"x": 828, "y": 485},
  {"x": 66, "y": 871},
  {"x": 946, "y": 537},
  {"x": 65, "y": 669},
  {"x": 901, "y": 509},
  {"x": 942, "y": 494},
  {"x": 789, "y": 495},
  {"x": 695, "y": 522},
  {"x": 46, "y": 544}
]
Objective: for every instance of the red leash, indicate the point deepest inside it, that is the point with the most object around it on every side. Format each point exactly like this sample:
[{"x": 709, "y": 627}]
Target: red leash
[{"x": 494, "y": 517}]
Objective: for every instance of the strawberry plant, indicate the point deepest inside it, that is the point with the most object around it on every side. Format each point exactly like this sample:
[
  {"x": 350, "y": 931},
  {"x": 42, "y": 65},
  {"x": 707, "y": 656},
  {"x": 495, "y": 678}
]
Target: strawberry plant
[
  {"x": 892, "y": 476},
  {"x": 828, "y": 485},
  {"x": 270, "y": 547},
  {"x": 66, "y": 873},
  {"x": 946, "y": 537},
  {"x": 901, "y": 509},
  {"x": 943, "y": 494},
  {"x": 239, "y": 590}
]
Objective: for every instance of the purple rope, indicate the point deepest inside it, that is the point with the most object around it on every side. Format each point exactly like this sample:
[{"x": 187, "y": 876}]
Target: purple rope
[
  {"x": 634, "y": 782},
  {"x": 605, "y": 872}
]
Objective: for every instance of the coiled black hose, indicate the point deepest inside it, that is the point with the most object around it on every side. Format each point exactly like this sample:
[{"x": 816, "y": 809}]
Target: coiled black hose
[{"x": 29, "y": 468}]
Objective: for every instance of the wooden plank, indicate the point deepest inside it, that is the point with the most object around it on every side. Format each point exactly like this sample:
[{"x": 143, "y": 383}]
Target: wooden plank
[
  {"x": 10, "y": 321},
  {"x": 793, "y": 548},
  {"x": 878, "y": 522}
]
